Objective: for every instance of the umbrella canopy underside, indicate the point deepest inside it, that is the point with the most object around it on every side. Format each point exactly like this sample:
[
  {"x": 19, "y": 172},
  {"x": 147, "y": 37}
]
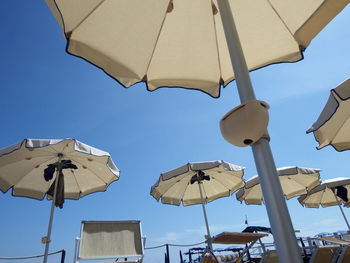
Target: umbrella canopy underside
[
  {"x": 294, "y": 180},
  {"x": 175, "y": 187},
  {"x": 22, "y": 168},
  {"x": 326, "y": 194},
  {"x": 180, "y": 43}
]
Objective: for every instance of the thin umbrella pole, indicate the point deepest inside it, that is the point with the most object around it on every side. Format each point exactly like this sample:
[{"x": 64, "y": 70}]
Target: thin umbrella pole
[
  {"x": 281, "y": 224},
  {"x": 341, "y": 210},
  {"x": 48, "y": 236},
  {"x": 205, "y": 216}
]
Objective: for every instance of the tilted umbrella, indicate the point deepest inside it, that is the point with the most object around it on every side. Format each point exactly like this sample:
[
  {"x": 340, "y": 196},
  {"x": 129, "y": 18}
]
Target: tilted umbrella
[
  {"x": 179, "y": 43},
  {"x": 333, "y": 125},
  {"x": 28, "y": 168},
  {"x": 329, "y": 193},
  {"x": 195, "y": 44},
  {"x": 295, "y": 181},
  {"x": 198, "y": 183}
]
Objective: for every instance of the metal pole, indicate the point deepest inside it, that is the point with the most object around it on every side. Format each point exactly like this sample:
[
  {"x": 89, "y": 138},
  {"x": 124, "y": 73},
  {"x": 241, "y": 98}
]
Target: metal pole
[
  {"x": 287, "y": 247},
  {"x": 341, "y": 209},
  {"x": 167, "y": 254},
  {"x": 76, "y": 249},
  {"x": 48, "y": 237},
  {"x": 205, "y": 216}
]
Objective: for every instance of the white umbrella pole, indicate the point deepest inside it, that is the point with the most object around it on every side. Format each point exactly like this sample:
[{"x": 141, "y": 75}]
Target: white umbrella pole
[
  {"x": 205, "y": 216},
  {"x": 48, "y": 236},
  {"x": 341, "y": 210},
  {"x": 283, "y": 232}
]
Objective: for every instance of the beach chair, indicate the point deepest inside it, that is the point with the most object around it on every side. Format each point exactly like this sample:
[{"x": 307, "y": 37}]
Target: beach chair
[
  {"x": 343, "y": 252},
  {"x": 344, "y": 255},
  {"x": 270, "y": 257},
  {"x": 325, "y": 254},
  {"x": 121, "y": 241}
]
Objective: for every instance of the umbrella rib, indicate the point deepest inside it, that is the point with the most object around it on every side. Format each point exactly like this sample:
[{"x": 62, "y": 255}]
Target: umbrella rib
[
  {"x": 76, "y": 181},
  {"x": 229, "y": 190},
  {"x": 341, "y": 126},
  {"x": 285, "y": 25},
  {"x": 17, "y": 161},
  {"x": 172, "y": 186},
  {"x": 217, "y": 49},
  {"x": 91, "y": 172},
  {"x": 155, "y": 45},
  {"x": 42, "y": 163},
  {"x": 82, "y": 21}
]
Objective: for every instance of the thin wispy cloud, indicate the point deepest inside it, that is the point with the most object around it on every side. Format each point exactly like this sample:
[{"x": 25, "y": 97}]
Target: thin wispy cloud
[
  {"x": 170, "y": 237},
  {"x": 325, "y": 225}
]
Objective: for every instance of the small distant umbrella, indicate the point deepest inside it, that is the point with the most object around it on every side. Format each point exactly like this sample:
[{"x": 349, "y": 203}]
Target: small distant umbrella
[
  {"x": 329, "y": 193},
  {"x": 29, "y": 169},
  {"x": 198, "y": 183},
  {"x": 294, "y": 181},
  {"x": 333, "y": 125}
]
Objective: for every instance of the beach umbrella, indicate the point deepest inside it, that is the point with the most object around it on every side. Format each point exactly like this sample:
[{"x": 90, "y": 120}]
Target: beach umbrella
[
  {"x": 295, "y": 181},
  {"x": 198, "y": 183},
  {"x": 329, "y": 193},
  {"x": 198, "y": 44},
  {"x": 179, "y": 43},
  {"x": 333, "y": 125},
  {"x": 56, "y": 169}
]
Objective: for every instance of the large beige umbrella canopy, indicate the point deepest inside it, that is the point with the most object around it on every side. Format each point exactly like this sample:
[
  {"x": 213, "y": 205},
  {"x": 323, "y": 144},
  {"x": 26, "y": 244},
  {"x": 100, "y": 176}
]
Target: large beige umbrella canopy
[
  {"x": 57, "y": 169},
  {"x": 295, "y": 181},
  {"x": 181, "y": 43},
  {"x": 333, "y": 125},
  {"x": 198, "y": 183},
  {"x": 329, "y": 193},
  {"x": 195, "y": 44}
]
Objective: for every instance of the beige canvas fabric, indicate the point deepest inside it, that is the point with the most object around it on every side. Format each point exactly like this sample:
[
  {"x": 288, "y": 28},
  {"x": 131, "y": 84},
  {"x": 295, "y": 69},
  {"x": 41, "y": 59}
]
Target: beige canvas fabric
[
  {"x": 174, "y": 187},
  {"x": 333, "y": 125},
  {"x": 294, "y": 180},
  {"x": 181, "y": 43},
  {"x": 111, "y": 239},
  {"x": 323, "y": 195},
  {"x": 22, "y": 168}
]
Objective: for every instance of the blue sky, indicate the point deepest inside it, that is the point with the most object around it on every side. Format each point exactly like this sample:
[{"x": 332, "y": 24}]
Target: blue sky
[{"x": 46, "y": 93}]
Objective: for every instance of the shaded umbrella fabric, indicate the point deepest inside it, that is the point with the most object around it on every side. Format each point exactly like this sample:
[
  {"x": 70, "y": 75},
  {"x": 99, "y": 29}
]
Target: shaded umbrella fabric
[
  {"x": 22, "y": 168},
  {"x": 324, "y": 194},
  {"x": 181, "y": 43},
  {"x": 333, "y": 125},
  {"x": 174, "y": 187},
  {"x": 294, "y": 181}
]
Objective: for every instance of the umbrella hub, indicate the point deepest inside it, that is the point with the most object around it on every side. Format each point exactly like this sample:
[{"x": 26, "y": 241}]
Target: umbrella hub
[
  {"x": 199, "y": 177},
  {"x": 245, "y": 124}
]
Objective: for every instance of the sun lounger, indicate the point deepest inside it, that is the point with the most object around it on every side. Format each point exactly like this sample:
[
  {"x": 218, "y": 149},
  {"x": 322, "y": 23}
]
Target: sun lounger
[
  {"x": 325, "y": 254},
  {"x": 344, "y": 251},
  {"x": 110, "y": 240},
  {"x": 270, "y": 257},
  {"x": 344, "y": 255}
]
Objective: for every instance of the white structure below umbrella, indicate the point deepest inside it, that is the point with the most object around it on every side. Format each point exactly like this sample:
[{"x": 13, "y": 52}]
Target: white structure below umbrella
[
  {"x": 329, "y": 193},
  {"x": 294, "y": 180},
  {"x": 198, "y": 183},
  {"x": 29, "y": 169}
]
